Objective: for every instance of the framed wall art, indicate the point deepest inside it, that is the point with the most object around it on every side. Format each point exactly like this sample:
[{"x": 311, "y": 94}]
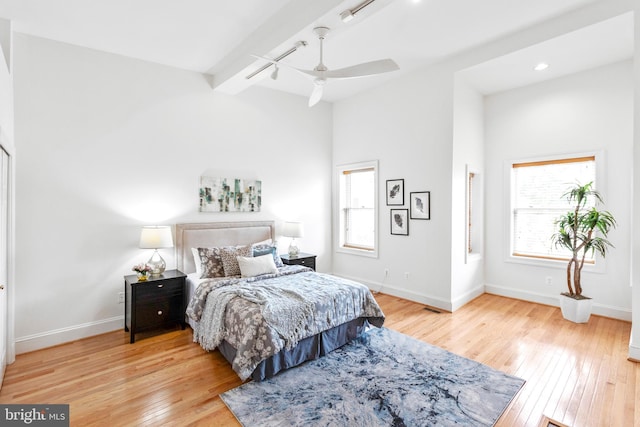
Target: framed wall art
[
  {"x": 395, "y": 192},
  {"x": 400, "y": 222},
  {"x": 420, "y": 205},
  {"x": 230, "y": 194}
]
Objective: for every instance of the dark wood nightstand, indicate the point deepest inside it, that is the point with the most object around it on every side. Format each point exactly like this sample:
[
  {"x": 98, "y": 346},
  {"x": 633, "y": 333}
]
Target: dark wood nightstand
[
  {"x": 308, "y": 260},
  {"x": 154, "y": 303}
]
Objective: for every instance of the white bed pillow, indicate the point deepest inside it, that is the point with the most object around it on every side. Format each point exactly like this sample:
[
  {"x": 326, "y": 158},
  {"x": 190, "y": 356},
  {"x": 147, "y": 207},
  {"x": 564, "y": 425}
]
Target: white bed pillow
[
  {"x": 196, "y": 261},
  {"x": 255, "y": 266}
]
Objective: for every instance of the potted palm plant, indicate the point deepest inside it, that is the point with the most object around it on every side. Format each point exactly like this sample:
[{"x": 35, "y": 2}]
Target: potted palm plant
[{"x": 582, "y": 230}]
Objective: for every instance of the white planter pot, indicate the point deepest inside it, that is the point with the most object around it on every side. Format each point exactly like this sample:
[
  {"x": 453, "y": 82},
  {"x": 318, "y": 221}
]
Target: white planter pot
[{"x": 576, "y": 310}]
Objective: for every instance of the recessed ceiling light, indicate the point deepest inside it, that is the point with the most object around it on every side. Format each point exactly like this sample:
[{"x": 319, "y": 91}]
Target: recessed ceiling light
[{"x": 541, "y": 66}]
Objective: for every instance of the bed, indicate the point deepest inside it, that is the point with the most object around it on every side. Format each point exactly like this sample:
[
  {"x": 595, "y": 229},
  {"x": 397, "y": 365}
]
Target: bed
[{"x": 270, "y": 320}]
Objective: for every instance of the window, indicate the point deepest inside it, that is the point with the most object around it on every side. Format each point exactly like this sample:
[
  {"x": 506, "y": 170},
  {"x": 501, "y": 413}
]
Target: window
[
  {"x": 357, "y": 208},
  {"x": 537, "y": 201}
]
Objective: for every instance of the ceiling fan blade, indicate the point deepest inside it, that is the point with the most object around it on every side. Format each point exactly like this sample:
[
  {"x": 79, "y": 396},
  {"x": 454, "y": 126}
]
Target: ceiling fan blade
[
  {"x": 362, "y": 70},
  {"x": 316, "y": 95}
]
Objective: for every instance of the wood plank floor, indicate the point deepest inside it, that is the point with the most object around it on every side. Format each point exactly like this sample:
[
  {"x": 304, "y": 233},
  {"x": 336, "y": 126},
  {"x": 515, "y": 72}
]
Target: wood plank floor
[{"x": 577, "y": 375}]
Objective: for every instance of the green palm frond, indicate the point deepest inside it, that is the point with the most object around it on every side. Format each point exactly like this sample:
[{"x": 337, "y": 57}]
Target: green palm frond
[{"x": 582, "y": 231}]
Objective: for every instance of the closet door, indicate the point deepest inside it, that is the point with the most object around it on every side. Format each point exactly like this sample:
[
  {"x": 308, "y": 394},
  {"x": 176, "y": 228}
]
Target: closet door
[{"x": 4, "y": 254}]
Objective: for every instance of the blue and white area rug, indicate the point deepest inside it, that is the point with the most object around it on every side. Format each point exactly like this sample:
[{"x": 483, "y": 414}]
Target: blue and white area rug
[{"x": 383, "y": 378}]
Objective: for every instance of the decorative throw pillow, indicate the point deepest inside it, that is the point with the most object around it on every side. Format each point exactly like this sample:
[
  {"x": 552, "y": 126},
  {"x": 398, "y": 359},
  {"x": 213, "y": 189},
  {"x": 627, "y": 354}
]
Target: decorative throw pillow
[
  {"x": 260, "y": 249},
  {"x": 229, "y": 256},
  {"x": 255, "y": 266},
  {"x": 210, "y": 263}
]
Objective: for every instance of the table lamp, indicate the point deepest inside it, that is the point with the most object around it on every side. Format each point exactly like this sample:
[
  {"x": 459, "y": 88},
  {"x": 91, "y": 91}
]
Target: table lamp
[
  {"x": 156, "y": 237},
  {"x": 293, "y": 230}
]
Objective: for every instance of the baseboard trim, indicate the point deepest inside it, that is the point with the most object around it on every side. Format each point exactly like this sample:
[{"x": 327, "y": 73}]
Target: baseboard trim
[
  {"x": 467, "y": 297},
  {"x": 553, "y": 300},
  {"x": 402, "y": 293},
  {"x": 63, "y": 335},
  {"x": 3, "y": 366},
  {"x": 634, "y": 353}
]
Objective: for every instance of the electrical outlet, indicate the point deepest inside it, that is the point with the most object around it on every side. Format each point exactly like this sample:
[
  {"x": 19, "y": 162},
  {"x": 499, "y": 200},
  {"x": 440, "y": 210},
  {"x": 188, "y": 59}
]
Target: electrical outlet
[
  {"x": 548, "y": 280},
  {"x": 120, "y": 297}
]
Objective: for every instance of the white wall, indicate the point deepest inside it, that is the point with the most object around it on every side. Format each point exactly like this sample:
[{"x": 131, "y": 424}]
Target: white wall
[
  {"x": 107, "y": 144},
  {"x": 634, "y": 342},
  {"x": 589, "y": 111},
  {"x": 467, "y": 269},
  {"x": 6, "y": 85},
  {"x": 416, "y": 126},
  {"x": 407, "y": 126},
  {"x": 7, "y": 348}
]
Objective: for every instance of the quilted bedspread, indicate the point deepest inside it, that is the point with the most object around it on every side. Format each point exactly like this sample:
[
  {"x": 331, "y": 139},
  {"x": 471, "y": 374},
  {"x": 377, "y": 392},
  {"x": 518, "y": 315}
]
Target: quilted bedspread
[{"x": 262, "y": 315}]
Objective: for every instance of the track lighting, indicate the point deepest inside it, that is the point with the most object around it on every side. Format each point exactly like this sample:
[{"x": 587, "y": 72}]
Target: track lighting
[
  {"x": 346, "y": 16},
  {"x": 274, "y": 75},
  {"x": 349, "y": 14}
]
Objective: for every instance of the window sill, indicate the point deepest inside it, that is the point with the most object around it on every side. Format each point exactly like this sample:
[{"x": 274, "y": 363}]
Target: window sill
[
  {"x": 598, "y": 267},
  {"x": 358, "y": 252}
]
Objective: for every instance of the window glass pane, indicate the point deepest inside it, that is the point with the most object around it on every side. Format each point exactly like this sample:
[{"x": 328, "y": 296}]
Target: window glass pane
[
  {"x": 357, "y": 208},
  {"x": 360, "y": 229},
  {"x": 537, "y": 201},
  {"x": 361, "y": 193}
]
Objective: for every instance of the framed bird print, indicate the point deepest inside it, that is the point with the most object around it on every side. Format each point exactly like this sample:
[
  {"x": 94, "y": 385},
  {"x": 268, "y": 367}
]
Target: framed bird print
[
  {"x": 400, "y": 222},
  {"x": 395, "y": 192},
  {"x": 420, "y": 205}
]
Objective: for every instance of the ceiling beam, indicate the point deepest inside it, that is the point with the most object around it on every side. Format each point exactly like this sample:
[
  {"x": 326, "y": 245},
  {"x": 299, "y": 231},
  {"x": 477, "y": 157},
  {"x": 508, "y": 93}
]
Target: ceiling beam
[{"x": 290, "y": 20}]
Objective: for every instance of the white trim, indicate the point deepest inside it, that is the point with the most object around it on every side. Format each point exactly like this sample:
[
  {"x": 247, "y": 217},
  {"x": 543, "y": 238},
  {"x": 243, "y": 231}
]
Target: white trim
[
  {"x": 336, "y": 208},
  {"x": 479, "y": 207},
  {"x": 634, "y": 350},
  {"x": 402, "y": 293},
  {"x": 600, "y": 160},
  {"x": 6, "y": 143},
  {"x": 554, "y": 300},
  {"x": 466, "y": 298},
  {"x": 63, "y": 335},
  {"x": 3, "y": 365}
]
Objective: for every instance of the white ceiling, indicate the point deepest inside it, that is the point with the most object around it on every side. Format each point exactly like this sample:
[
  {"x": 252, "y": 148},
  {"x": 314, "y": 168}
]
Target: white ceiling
[{"x": 218, "y": 37}]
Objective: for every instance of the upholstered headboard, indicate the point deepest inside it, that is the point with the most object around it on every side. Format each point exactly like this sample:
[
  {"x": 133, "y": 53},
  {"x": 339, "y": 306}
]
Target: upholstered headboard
[{"x": 210, "y": 234}]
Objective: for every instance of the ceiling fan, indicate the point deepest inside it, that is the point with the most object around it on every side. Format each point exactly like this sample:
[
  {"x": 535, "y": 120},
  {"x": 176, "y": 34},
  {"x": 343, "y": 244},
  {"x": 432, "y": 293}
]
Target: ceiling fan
[{"x": 321, "y": 74}]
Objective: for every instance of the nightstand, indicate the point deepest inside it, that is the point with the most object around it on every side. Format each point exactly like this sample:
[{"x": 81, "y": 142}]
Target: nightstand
[
  {"x": 154, "y": 303},
  {"x": 308, "y": 260}
]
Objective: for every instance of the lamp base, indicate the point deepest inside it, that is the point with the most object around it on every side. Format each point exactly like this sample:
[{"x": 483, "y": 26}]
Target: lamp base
[
  {"x": 157, "y": 264},
  {"x": 293, "y": 249}
]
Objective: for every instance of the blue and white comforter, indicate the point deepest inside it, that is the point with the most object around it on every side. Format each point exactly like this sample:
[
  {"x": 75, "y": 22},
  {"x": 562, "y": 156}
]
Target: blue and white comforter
[{"x": 262, "y": 315}]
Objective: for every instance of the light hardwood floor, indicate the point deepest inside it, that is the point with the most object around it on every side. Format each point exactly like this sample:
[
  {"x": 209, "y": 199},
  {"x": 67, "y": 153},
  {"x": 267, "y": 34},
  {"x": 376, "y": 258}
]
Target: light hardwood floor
[{"x": 578, "y": 375}]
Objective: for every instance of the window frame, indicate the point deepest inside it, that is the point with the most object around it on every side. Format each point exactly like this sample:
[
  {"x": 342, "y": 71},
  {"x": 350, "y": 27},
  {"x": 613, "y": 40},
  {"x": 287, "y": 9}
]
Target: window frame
[
  {"x": 599, "y": 265},
  {"x": 353, "y": 250}
]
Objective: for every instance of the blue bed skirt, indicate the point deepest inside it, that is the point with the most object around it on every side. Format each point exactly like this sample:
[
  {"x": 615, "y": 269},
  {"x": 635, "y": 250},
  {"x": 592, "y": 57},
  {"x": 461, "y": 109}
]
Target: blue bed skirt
[{"x": 307, "y": 349}]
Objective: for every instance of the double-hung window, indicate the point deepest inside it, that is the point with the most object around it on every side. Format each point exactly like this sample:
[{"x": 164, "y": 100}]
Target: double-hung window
[
  {"x": 537, "y": 190},
  {"x": 357, "y": 208}
]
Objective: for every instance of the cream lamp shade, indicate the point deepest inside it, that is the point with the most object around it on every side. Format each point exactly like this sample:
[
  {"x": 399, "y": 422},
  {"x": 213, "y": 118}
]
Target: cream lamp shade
[
  {"x": 293, "y": 230},
  {"x": 156, "y": 237}
]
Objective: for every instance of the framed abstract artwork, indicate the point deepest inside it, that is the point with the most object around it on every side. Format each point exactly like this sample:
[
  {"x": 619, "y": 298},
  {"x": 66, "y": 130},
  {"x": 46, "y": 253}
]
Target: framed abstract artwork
[
  {"x": 400, "y": 222},
  {"x": 230, "y": 194},
  {"x": 395, "y": 192},
  {"x": 420, "y": 205}
]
